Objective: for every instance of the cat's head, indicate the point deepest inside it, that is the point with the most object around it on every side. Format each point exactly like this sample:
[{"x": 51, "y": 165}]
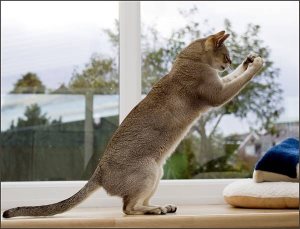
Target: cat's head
[
  {"x": 216, "y": 52},
  {"x": 210, "y": 50}
]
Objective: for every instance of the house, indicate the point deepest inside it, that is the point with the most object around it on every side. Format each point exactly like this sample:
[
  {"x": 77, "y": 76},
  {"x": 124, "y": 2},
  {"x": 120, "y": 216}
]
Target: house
[{"x": 254, "y": 146}]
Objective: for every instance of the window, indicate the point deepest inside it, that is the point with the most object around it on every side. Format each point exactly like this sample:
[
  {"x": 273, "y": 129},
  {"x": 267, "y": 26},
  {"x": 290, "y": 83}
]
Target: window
[
  {"x": 60, "y": 88},
  {"x": 160, "y": 35},
  {"x": 212, "y": 147}
]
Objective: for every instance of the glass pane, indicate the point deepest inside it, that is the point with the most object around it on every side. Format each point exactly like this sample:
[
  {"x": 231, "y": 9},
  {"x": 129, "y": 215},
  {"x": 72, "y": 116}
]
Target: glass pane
[
  {"x": 59, "y": 88},
  {"x": 227, "y": 142}
]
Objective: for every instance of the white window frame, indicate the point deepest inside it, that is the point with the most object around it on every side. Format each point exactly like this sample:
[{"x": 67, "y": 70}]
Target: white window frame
[
  {"x": 130, "y": 57},
  {"x": 180, "y": 192}
]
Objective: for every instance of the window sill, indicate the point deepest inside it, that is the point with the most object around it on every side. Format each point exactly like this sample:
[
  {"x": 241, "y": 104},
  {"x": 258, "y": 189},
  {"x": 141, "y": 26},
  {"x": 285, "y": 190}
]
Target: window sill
[
  {"x": 205, "y": 216},
  {"x": 180, "y": 192}
]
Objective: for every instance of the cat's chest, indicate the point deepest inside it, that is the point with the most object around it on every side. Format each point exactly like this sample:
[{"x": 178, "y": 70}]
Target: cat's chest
[{"x": 169, "y": 150}]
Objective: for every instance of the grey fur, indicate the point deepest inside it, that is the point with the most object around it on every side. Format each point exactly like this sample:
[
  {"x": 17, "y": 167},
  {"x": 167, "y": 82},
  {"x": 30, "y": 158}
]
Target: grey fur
[{"x": 131, "y": 166}]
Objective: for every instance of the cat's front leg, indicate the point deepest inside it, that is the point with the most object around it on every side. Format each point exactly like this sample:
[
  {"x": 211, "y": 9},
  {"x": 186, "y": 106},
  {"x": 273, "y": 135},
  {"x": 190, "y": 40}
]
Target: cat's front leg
[
  {"x": 230, "y": 89},
  {"x": 240, "y": 69}
]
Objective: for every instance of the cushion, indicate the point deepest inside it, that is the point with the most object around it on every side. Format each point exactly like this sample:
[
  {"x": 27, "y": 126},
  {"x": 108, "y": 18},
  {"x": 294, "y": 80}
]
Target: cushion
[
  {"x": 248, "y": 194},
  {"x": 279, "y": 163}
]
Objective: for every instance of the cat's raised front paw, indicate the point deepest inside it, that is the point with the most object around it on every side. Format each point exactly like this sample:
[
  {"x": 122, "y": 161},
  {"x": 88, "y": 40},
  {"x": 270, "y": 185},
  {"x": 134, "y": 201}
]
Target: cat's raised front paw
[
  {"x": 255, "y": 66},
  {"x": 250, "y": 58}
]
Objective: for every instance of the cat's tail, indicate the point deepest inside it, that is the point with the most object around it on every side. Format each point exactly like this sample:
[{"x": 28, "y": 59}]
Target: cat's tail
[{"x": 52, "y": 209}]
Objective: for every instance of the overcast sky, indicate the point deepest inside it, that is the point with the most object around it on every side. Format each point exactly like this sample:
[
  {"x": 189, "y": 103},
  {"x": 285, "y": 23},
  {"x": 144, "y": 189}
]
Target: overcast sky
[
  {"x": 51, "y": 38},
  {"x": 279, "y": 23}
]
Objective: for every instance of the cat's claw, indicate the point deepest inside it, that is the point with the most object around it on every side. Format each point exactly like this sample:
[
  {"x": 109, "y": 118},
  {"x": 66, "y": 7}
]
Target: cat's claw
[
  {"x": 171, "y": 208},
  {"x": 250, "y": 58}
]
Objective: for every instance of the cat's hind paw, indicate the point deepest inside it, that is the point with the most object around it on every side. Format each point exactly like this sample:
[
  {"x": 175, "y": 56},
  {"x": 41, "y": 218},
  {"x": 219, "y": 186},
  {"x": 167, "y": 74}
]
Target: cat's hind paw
[{"x": 171, "y": 208}]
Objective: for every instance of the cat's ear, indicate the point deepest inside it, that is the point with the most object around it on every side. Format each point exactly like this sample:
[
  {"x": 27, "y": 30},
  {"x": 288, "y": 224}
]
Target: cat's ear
[
  {"x": 219, "y": 34},
  {"x": 215, "y": 41},
  {"x": 210, "y": 43},
  {"x": 220, "y": 40}
]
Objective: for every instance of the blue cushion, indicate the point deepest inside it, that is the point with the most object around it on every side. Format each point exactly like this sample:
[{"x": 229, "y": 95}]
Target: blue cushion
[{"x": 281, "y": 159}]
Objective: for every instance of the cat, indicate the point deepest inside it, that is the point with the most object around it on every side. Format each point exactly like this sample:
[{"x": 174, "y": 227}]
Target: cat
[{"x": 132, "y": 164}]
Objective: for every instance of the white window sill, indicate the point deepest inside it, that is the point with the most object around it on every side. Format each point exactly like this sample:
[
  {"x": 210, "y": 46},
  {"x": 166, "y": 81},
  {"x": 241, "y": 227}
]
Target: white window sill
[
  {"x": 200, "y": 204},
  {"x": 179, "y": 192},
  {"x": 202, "y": 216}
]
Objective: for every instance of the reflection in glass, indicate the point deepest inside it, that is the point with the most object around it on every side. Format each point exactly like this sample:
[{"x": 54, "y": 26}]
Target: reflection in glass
[{"x": 59, "y": 102}]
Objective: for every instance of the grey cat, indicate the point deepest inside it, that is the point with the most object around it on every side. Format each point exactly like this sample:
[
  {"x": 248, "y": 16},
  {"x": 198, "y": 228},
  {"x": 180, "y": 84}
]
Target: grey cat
[{"x": 132, "y": 163}]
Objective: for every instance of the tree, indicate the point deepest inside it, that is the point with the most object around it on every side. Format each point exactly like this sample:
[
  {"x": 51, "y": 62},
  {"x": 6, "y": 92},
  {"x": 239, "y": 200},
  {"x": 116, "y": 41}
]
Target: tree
[
  {"x": 33, "y": 117},
  {"x": 29, "y": 84},
  {"x": 62, "y": 89},
  {"x": 98, "y": 76}
]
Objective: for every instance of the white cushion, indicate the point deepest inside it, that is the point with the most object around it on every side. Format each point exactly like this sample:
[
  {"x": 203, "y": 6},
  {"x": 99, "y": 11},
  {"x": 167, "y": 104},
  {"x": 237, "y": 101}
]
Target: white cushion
[{"x": 247, "y": 193}]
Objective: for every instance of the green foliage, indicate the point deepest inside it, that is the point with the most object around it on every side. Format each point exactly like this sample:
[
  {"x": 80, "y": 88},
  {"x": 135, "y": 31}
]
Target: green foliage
[
  {"x": 113, "y": 34},
  {"x": 62, "y": 89},
  {"x": 176, "y": 167},
  {"x": 99, "y": 76},
  {"x": 182, "y": 164},
  {"x": 33, "y": 117},
  {"x": 218, "y": 164},
  {"x": 29, "y": 84}
]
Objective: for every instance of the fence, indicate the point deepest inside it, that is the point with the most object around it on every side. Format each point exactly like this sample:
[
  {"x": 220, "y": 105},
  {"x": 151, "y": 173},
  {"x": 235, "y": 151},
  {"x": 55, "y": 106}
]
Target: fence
[{"x": 54, "y": 152}]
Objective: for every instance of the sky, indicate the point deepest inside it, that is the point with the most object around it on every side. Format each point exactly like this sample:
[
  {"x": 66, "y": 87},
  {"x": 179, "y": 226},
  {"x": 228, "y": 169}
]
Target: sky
[
  {"x": 279, "y": 23},
  {"x": 52, "y": 38}
]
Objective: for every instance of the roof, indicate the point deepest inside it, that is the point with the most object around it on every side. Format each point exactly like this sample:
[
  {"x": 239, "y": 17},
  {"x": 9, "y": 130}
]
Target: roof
[{"x": 245, "y": 141}]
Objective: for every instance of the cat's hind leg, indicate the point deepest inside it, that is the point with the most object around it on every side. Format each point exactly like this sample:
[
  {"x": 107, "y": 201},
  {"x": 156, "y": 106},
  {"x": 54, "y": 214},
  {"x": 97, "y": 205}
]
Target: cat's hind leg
[
  {"x": 170, "y": 207},
  {"x": 134, "y": 206},
  {"x": 137, "y": 201}
]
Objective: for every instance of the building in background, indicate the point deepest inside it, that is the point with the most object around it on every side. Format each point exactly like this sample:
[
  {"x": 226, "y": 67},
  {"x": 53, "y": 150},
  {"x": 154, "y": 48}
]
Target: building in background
[{"x": 254, "y": 146}]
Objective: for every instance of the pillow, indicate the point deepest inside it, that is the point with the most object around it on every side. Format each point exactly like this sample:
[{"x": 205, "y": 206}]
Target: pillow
[
  {"x": 279, "y": 163},
  {"x": 248, "y": 194}
]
